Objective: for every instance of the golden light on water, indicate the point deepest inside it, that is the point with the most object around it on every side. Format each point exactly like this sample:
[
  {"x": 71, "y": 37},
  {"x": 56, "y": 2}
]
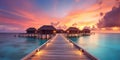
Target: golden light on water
[
  {"x": 115, "y": 28},
  {"x": 91, "y": 41},
  {"x": 109, "y": 30}
]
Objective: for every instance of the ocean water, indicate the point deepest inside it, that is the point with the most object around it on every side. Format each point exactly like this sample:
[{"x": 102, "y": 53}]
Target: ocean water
[
  {"x": 15, "y": 48},
  {"x": 104, "y": 46}
]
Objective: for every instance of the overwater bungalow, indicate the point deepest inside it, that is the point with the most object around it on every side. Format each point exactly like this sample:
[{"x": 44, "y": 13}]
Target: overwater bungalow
[
  {"x": 59, "y": 48},
  {"x": 60, "y": 31},
  {"x": 73, "y": 32},
  {"x": 46, "y": 30},
  {"x": 31, "y": 30},
  {"x": 86, "y": 32}
]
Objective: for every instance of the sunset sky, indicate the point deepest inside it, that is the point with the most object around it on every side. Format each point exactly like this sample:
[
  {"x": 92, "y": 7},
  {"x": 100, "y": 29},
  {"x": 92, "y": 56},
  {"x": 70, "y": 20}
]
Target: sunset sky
[{"x": 18, "y": 15}]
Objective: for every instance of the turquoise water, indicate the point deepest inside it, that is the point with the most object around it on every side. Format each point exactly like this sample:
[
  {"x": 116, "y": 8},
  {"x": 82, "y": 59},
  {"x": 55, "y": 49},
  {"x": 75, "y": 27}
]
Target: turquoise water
[
  {"x": 104, "y": 46},
  {"x": 15, "y": 48}
]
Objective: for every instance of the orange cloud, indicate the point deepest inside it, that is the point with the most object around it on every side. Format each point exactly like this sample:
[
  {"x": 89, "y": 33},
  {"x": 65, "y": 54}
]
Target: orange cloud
[
  {"x": 90, "y": 16},
  {"x": 37, "y": 17}
]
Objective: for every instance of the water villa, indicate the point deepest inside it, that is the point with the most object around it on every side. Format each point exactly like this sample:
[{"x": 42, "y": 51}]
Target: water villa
[
  {"x": 31, "y": 30},
  {"x": 48, "y": 31},
  {"x": 44, "y": 32},
  {"x": 86, "y": 32},
  {"x": 58, "y": 47},
  {"x": 73, "y": 32}
]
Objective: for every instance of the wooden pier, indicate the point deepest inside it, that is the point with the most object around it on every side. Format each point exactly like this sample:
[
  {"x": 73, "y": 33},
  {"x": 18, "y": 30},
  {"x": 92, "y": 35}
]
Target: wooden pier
[
  {"x": 39, "y": 36},
  {"x": 59, "y": 48}
]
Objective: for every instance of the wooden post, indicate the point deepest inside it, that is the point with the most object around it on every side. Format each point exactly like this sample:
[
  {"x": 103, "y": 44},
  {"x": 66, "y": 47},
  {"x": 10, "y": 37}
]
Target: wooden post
[
  {"x": 41, "y": 36},
  {"x": 46, "y": 36}
]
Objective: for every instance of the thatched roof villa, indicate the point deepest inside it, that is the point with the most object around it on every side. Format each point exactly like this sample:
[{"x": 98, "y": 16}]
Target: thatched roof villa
[
  {"x": 31, "y": 30},
  {"x": 72, "y": 30},
  {"x": 86, "y": 31},
  {"x": 47, "y": 29}
]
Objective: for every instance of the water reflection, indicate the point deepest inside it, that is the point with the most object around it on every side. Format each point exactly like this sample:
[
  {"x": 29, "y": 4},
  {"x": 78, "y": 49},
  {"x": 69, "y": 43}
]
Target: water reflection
[
  {"x": 103, "y": 46},
  {"x": 90, "y": 41},
  {"x": 14, "y": 48},
  {"x": 31, "y": 40}
]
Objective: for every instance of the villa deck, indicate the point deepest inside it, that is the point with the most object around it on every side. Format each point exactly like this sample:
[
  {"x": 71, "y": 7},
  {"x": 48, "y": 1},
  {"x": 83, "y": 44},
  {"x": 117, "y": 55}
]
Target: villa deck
[{"x": 59, "y": 48}]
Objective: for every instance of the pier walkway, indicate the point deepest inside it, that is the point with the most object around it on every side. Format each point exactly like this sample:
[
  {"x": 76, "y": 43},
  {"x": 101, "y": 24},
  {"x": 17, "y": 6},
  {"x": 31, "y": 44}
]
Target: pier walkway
[{"x": 59, "y": 48}]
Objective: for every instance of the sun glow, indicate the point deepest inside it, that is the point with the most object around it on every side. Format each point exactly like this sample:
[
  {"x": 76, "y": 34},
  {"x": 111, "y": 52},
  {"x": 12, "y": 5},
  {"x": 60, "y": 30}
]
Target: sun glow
[
  {"x": 78, "y": 14},
  {"x": 115, "y": 28}
]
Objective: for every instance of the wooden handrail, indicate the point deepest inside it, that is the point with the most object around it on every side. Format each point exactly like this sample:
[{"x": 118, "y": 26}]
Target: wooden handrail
[
  {"x": 36, "y": 50},
  {"x": 42, "y": 46}
]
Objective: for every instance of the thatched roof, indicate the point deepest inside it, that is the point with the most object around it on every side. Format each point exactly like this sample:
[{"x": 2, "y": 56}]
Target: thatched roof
[
  {"x": 47, "y": 27},
  {"x": 31, "y": 29},
  {"x": 72, "y": 29},
  {"x": 86, "y": 30},
  {"x": 60, "y": 31}
]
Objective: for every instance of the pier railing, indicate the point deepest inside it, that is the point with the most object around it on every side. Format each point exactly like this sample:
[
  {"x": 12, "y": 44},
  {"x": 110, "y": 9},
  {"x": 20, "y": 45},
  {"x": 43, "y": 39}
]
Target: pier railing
[
  {"x": 39, "y": 36},
  {"x": 34, "y": 51},
  {"x": 83, "y": 50},
  {"x": 28, "y": 57}
]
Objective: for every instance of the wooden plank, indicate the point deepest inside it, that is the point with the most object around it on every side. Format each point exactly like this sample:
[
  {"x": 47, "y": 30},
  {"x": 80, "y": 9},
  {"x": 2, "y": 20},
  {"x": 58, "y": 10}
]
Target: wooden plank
[{"x": 59, "y": 48}]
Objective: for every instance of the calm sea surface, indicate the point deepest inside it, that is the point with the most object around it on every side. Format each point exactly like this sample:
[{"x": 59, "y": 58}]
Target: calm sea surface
[
  {"x": 15, "y": 48},
  {"x": 104, "y": 46}
]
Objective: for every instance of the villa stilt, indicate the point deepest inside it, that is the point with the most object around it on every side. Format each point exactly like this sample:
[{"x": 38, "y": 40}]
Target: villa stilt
[
  {"x": 46, "y": 31},
  {"x": 73, "y": 32}
]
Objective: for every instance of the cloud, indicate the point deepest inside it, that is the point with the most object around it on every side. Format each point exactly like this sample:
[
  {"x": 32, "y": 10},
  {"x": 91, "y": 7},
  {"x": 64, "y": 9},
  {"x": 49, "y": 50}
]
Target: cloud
[
  {"x": 24, "y": 13},
  {"x": 77, "y": 0},
  {"x": 21, "y": 15},
  {"x": 111, "y": 19}
]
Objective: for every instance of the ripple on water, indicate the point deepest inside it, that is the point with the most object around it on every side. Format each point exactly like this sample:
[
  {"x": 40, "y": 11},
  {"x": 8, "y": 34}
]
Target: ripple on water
[
  {"x": 14, "y": 48},
  {"x": 103, "y": 46}
]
